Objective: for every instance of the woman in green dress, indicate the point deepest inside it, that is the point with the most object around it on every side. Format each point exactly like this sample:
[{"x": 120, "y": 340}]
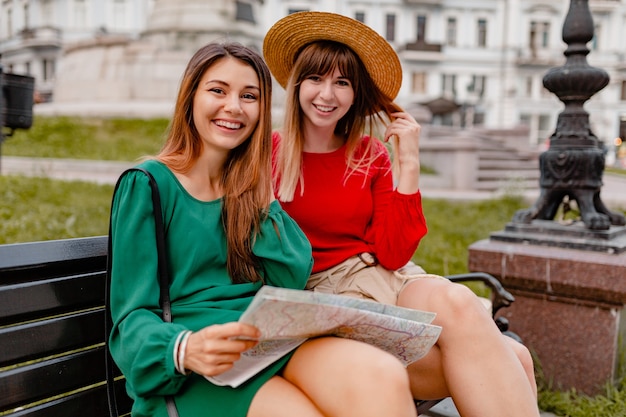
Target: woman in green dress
[{"x": 226, "y": 237}]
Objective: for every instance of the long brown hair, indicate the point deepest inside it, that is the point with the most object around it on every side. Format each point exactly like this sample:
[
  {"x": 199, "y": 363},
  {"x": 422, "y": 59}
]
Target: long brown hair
[
  {"x": 246, "y": 174},
  {"x": 370, "y": 107}
]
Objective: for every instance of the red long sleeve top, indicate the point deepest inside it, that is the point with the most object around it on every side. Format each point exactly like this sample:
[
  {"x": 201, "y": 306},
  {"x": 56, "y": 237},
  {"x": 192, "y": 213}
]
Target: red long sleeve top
[{"x": 344, "y": 217}]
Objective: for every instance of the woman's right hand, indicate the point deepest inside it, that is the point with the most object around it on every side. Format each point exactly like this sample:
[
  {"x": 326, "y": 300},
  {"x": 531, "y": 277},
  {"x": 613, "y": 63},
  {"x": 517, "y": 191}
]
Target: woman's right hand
[{"x": 214, "y": 349}]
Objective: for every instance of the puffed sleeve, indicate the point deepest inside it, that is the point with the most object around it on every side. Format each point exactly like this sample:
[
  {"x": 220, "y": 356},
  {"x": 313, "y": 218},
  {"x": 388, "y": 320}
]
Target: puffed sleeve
[
  {"x": 398, "y": 222},
  {"x": 283, "y": 249},
  {"x": 141, "y": 342}
]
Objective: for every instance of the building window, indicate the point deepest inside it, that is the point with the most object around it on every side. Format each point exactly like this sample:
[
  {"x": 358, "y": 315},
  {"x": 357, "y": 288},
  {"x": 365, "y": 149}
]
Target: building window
[
  {"x": 360, "y": 16},
  {"x": 448, "y": 84},
  {"x": 47, "y": 67},
  {"x": 623, "y": 95},
  {"x": 544, "y": 128},
  {"x": 479, "y": 117},
  {"x": 545, "y": 93},
  {"x": 9, "y": 22},
  {"x": 451, "y": 32},
  {"x": 244, "y": 12},
  {"x": 529, "y": 86},
  {"x": 80, "y": 14},
  {"x": 482, "y": 33},
  {"x": 26, "y": 16},
  {"x": 421, "y": 28},
  {"x": 46, "y": 12},
  {"x": 390, "y": 27},
  {"x": 539, "y": 36},
  {"x": 418, "y": 85},
  {"x": 595, "y": 40},
  {"x": 524, "y": 119},
  {"x": 120, "y": 15},
  {"x": 477, "y": 86}
]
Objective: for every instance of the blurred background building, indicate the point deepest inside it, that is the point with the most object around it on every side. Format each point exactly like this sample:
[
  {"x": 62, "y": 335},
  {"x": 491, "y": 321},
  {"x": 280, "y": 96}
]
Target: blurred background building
[{"x": 477, "y": 63}]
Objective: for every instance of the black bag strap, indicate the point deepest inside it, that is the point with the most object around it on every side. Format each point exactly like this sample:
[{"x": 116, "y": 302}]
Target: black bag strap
[{"x": 164, "y": 284}]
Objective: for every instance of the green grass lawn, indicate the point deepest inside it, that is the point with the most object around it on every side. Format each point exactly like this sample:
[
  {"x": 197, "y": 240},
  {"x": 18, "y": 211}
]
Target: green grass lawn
[
  {"x": 616, "y": 171},
  {"x": 88, "y": 138},
  {"x": 34, "y": 209},
  {"x": 43, "y": 209}
]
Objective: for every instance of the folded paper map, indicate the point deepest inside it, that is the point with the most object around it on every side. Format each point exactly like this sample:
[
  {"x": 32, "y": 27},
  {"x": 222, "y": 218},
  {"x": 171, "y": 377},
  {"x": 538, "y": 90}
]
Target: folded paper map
[{"x": 287, "y": 318}]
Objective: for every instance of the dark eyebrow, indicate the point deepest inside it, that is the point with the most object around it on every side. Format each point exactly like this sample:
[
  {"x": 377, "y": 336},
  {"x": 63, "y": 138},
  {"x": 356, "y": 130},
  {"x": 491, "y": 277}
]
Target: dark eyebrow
[{"x": 226, "y": 84}]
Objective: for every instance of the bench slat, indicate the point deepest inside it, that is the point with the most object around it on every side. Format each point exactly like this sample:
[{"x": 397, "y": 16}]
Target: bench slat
[
  {"x": 24, "y": 385},
  {"x": 23, "y": 262},
  {"x": 37, "y": 299},
  {"x": 18, "y": 255},
  {"x": 49, "y": 337},
  {"x": 92, "y": 403}
]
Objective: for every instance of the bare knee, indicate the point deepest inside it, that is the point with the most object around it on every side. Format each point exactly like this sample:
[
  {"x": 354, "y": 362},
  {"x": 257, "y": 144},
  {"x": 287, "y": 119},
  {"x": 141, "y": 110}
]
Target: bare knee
[
  {"x": 524, "y": 356},
  {"x": 367, "y": 380},
  {"x": 381, "y": 379},
  {"x": 385, "y": 370},
  {"x": 455, "y": 304},
  {"x": 371, "y": 370},
  {"x": 526, "y": 359},
  {"x": 461, "y": 298}
]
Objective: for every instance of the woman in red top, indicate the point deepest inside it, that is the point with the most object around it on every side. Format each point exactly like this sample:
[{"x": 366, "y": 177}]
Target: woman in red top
[{"x": 338, "y": 184}]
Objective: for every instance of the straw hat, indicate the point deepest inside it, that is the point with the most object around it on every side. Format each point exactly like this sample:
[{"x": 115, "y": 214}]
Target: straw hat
[{"x": 289, "y": 35}]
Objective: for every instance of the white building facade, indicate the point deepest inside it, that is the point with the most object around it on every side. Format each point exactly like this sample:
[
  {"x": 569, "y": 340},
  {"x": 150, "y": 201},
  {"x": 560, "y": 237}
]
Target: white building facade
[
  {"x": 489, "y": 57},
  {"x": 33, "y": 33},
  {"x": 478, "y": 62}
]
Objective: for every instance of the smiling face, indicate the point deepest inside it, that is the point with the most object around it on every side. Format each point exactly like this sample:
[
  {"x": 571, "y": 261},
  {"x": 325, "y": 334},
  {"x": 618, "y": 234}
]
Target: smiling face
[
  {"x": 325, "y": 99},
  {"x": 226, "y": 105}
]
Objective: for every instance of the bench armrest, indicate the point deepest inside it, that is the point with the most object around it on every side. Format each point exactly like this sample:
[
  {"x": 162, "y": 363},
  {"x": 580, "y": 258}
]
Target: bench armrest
[{"x": 500, "y": 296}]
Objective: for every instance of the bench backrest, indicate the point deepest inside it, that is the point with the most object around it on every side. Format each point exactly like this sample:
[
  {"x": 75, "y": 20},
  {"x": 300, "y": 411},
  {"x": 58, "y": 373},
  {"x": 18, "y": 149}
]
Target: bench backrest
[{"x": 52, "y": 352}]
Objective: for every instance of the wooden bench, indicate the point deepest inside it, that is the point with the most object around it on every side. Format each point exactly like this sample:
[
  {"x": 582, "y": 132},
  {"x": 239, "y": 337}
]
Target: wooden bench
[{"x": 52, "y": 352}]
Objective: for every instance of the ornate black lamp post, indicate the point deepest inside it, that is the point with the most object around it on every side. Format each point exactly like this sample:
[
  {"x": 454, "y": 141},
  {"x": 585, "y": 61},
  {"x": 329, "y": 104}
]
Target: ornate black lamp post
[{"x": 573, "y": 165}]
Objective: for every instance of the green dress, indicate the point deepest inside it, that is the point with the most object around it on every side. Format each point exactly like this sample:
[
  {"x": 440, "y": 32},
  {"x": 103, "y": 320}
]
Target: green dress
[{"x": 201, "y": 291}]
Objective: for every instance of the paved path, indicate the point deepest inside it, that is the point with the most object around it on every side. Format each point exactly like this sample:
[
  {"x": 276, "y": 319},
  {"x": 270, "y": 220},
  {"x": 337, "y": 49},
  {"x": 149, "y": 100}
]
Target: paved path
[
  {"x": 106, "y": 172},
  {"x": 102, "y": 172},
  {"x": 613, "y": 192}
]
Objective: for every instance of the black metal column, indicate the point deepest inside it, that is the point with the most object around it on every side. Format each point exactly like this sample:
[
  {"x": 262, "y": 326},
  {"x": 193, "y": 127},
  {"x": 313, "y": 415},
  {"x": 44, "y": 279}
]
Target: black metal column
[{"x": 573, "y": 165}]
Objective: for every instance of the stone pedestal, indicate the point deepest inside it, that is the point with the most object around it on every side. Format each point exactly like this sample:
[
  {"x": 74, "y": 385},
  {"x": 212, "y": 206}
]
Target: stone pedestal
[{"x": 570, "y": 294}]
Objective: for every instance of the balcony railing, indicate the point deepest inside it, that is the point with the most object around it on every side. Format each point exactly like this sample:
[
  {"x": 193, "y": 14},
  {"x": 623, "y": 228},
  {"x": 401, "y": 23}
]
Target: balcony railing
[
  {"x": 424, "y": 2},
  {"x": 422, "y": 46},
  {"x": 39, "y": 36}
]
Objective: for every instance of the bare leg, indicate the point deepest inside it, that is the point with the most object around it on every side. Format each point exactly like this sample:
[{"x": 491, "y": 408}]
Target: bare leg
[
  {"x": 473, "y": 362},
  {"x": 526, "y": 360},
  {"x": 292, "y": 401},
  {"x": 339, "y": 378},
  {"x": 428, "y": 379}
]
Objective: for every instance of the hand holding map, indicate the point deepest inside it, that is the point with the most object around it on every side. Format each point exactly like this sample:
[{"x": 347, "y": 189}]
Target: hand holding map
[{"x": 287, "y": 318}]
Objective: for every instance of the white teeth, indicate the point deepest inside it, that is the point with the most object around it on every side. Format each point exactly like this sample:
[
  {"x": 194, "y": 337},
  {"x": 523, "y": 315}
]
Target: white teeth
[
  {"x": 229, "y": 125},
  {"x": 324, "y": 108}
]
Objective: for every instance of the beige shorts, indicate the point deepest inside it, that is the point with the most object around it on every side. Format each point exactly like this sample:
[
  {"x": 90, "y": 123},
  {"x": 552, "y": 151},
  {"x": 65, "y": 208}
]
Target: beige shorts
[{"x": 361, "y": 277}]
